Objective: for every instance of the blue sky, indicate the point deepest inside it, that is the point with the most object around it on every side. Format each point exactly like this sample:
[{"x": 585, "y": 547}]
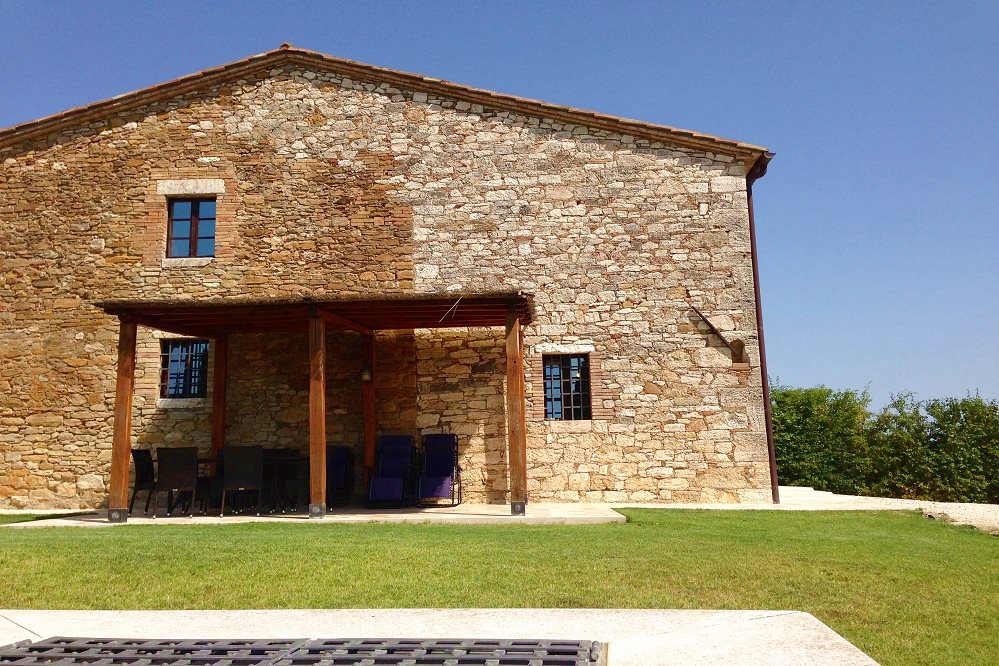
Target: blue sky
[{"x": 877, "y": 222}]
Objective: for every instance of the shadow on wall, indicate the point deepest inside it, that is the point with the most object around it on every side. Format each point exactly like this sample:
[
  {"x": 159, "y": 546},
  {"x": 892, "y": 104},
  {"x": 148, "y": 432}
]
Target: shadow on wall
[
  {"x": 428, "y": 381},
  {"x": 460, "y": 383},
  {"x": 267, "y": 400}
]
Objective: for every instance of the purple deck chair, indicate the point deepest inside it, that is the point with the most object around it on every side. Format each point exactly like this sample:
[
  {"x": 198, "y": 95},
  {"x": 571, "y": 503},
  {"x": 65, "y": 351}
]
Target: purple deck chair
[
  {"x": 440, "y": 474},
  {"x": 339, "y": 475},
  {"x": 391, "y": 483}
]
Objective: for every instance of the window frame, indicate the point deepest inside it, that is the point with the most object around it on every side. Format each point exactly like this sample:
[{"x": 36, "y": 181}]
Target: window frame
[
  {"x": 193, "y": 235},
  {"x": 194, "y": 382},
  {"x": 580, "y": 401}
]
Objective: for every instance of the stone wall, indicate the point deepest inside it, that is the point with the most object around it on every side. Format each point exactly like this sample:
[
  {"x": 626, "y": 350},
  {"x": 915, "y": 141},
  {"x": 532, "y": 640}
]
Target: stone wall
[{"x": 333, "y": 187}]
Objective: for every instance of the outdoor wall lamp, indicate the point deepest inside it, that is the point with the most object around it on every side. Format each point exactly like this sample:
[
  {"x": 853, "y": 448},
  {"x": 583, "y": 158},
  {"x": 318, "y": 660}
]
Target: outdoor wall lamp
[{"x": 365, "y": 373}]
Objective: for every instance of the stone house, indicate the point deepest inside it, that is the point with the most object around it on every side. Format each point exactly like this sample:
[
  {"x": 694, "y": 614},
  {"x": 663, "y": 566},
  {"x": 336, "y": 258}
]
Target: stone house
[{"x": 295, "y": 249}]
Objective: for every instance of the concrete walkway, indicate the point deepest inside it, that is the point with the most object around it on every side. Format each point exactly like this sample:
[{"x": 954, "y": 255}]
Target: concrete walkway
[
  {"x": 463, "y": 514},
  {"x": 634, "y": 637},
  {"x": 983, "y": 516}
]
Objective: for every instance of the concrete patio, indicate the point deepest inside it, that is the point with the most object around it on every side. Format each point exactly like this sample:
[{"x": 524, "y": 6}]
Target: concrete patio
[
  {"x": 463, "y": 514},
  {"x": 983, "y": 516},
  {"x": 634, "y": 637}
]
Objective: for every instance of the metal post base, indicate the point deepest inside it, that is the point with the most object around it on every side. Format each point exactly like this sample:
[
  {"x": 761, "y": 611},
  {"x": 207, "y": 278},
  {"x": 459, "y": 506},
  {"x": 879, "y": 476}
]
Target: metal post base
[
  {"x": 317, "y": 511},
  {"x": 518, "y": 508},
  {"x": 117, "y": 515}
]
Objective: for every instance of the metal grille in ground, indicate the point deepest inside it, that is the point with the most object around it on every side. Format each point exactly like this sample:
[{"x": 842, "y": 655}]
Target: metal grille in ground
[
  {"x": 332, "y": 652},
  {"x": 98, "y": 651}
]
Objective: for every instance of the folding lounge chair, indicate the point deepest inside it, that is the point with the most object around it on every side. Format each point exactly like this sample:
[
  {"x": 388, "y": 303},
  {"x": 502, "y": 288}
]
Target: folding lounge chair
[
  {"x": 392, "y": 480},
  {"x": 339, "y": 475},
  {"x": 440, "y": 475}
]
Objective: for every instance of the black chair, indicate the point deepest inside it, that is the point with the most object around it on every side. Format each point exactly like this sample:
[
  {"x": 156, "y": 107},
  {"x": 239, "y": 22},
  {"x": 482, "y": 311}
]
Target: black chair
[
  {"x": 145, "y": 476},
  {"x": 242, "y": 470},
  {"x": 177, "y": 473},
  {"x": 392, "y": 481},
  {"x": 281, "y": 478},
  {"x": 209, "y": 483},
  {"x": 339, "y": 475},
  {"x": 440, "y": 474}
]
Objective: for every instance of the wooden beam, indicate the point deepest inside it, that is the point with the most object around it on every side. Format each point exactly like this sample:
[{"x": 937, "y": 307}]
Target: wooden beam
[
  {"x": 121, "y": 442},
  {"x": 337, "y": 321},
  {"x": 714, "y": 329},
  {"x": 220, "y": 380},
  {"x": 317, "y": 416},
  {"x": 368, "y": 404},
  {"x": 364, "y": 317},
  {"x": 180, "y": 328},
  {"x": 515, "y": 414}
]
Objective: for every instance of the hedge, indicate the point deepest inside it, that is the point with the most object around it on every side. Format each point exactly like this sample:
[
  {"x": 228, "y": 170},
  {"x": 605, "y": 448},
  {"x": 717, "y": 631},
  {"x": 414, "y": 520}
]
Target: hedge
[{"x": 943, "y": 449}]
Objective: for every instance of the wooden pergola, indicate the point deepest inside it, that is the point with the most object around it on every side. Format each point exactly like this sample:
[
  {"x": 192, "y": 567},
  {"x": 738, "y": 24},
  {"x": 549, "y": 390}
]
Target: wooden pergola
[{"x": 217, "y": 320}]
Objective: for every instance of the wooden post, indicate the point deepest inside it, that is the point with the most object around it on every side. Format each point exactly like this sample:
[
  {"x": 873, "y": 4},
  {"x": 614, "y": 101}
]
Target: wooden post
[
  {"x": 121, "y": 442},
  {"x": 523, "y": 415},
  {"x": 368, "y": 404},
  {"x": 317, "y": 416},
  {"x": 220, "y": 379},
  {"x": 515, "y": 414}
]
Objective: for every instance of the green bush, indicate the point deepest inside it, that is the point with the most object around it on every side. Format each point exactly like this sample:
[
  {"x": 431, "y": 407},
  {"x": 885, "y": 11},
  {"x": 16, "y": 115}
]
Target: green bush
[
  {"x": 900, "y": 465},
  {"x": 943, "y": 449},
  {"x": 819, "y": 437}
]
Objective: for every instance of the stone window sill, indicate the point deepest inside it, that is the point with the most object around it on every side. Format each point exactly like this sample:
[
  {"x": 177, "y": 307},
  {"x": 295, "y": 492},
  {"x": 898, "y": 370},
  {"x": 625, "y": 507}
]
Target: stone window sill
[
  {"x": 187, "y": 262},
  {"x": 561, "y": 426},
  {"x": 180, "y": 403}
]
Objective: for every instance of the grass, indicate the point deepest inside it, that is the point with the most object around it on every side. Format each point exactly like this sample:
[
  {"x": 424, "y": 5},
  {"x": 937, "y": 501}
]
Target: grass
[
  {"x": 8, "y": 518},
  {"x": 904, "y": 589}
]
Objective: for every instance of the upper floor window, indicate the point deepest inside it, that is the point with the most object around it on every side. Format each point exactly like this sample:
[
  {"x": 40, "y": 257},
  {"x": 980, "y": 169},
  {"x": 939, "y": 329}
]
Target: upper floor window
[
  {"x": 191, "y": 230},
  {"x": 567, "y": 387},
  {"x": 183, "y": 368}
]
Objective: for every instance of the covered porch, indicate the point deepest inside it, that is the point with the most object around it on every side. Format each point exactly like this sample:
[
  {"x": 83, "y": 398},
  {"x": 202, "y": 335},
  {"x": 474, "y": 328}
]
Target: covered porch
[{"x": 218, "y": 319}]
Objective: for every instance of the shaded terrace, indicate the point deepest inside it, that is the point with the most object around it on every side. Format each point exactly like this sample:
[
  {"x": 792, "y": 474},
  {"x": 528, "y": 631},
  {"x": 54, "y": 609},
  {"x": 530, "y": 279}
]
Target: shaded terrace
[{"x": 217, "y": 319}]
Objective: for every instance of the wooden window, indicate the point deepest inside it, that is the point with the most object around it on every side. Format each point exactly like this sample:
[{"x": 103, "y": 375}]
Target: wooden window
[
  {"x": 567, "y": 387},
  {"x": 191, "y": 228},
  {"x": 183, "y": 368}
]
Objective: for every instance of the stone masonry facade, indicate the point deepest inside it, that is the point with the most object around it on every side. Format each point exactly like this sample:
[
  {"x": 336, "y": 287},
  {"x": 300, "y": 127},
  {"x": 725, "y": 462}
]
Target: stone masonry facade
[{"x": 332, "y": 187}]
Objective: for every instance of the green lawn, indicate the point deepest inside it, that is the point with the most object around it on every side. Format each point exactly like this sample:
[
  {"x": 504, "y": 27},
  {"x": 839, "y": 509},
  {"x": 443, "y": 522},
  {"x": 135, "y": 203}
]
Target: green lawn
[
  {"x": 904, "y": 589},
  {"x": 6, "y": 518}
]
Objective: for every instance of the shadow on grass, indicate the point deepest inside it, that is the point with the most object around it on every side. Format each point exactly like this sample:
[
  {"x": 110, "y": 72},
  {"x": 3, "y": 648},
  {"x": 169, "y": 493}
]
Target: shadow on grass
[{"x": 11, "y": 518}]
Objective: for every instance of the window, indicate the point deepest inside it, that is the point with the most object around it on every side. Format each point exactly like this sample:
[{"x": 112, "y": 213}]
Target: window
[
  {"x": 567, "y": 387},
  {"x": 183, "y": 368},
  {"x": 191, "y": 228}
]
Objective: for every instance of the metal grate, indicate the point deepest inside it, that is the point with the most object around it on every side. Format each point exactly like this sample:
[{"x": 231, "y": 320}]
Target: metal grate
[
  {"x": 100, "y": 651},
  {"x": 333, "y": 652},
  {"x": 457, "y": 652}
]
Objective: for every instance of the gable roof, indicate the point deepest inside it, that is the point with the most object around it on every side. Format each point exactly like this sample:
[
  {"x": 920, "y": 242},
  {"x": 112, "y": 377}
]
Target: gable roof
[{"x": 289, "y": 55}]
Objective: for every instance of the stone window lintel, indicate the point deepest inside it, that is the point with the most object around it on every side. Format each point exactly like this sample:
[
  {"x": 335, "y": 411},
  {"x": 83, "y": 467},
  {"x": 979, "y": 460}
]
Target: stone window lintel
[
  {"x": 563, "y": 348},
  {"x": 187, "y": 186}
]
